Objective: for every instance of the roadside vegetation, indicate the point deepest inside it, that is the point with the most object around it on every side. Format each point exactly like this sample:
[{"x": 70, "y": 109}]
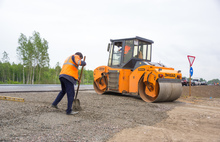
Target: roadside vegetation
[{"x": 34, "y": 67}]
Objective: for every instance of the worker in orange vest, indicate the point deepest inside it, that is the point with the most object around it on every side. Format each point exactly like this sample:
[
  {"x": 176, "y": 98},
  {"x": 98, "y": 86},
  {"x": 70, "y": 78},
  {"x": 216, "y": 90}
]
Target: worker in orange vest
[{"x": 68, "y": 77}]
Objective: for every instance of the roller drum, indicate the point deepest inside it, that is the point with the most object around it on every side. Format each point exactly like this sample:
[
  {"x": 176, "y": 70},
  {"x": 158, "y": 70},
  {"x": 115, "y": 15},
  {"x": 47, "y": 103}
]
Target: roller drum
[
  {"x": 165, "y": 90},
  {"x": 168, "y": 91}
]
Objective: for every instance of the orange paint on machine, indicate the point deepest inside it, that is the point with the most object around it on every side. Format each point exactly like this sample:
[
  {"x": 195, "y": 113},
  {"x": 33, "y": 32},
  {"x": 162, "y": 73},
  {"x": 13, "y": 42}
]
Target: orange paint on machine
[{"x": 130, "y": 71}]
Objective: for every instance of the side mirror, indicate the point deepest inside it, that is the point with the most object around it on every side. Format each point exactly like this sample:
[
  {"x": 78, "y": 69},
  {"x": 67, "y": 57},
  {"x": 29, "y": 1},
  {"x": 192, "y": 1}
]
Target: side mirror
[{"x": 108, "y": 47}]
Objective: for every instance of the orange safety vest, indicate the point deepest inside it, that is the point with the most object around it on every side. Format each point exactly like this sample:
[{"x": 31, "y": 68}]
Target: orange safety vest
[
  {"x": 71, "y": 68},
  {"x": 127, "y": 48}
]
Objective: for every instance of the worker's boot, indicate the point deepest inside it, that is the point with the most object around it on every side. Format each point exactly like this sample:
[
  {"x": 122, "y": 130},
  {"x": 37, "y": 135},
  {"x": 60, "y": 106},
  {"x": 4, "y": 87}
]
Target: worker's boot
[
  {"x": 54, "y": 106},
  {"x": 72, "y": 113}
]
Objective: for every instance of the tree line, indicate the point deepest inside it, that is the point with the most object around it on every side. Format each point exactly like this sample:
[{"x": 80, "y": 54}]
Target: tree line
[{"x": 34, "y": 64}]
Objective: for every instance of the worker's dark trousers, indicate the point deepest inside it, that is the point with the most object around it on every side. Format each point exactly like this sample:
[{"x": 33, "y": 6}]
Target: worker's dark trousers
[{"x": 67, "y": 87}]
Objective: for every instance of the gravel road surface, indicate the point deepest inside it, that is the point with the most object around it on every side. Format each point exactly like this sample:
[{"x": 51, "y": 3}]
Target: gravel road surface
[{"x": 112, "y": 117}]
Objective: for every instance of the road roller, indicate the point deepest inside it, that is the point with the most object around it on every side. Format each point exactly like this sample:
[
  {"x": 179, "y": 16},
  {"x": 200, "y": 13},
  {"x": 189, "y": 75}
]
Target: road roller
[{"x": 130, "y": 71}]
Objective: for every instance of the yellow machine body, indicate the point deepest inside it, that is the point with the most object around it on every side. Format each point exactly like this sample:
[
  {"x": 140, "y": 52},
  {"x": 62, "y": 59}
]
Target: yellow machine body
[{"x": 153, "y": 82}]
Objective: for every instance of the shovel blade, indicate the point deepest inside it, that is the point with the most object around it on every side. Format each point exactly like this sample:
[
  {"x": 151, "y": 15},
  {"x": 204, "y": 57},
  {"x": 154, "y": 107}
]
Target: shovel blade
[{"x": 76, "y": 105}]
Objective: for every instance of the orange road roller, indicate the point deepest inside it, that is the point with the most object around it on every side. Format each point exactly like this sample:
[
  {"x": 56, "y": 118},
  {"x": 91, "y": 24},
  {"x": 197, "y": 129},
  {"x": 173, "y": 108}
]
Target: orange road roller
[{"x": 130, "y": 71}]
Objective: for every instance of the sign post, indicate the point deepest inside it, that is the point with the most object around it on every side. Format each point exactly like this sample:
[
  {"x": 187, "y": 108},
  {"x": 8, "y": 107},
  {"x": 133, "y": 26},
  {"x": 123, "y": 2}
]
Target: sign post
[{"x": 191, "y": 60}]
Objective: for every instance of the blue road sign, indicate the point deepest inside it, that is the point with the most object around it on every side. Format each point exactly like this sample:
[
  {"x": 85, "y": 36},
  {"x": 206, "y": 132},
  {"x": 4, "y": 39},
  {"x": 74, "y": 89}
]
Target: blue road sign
[{"x": 191, "y": 71}]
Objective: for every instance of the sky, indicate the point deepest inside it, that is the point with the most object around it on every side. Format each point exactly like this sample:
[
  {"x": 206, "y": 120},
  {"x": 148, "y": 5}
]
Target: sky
[{"x": 177, "y": 27}]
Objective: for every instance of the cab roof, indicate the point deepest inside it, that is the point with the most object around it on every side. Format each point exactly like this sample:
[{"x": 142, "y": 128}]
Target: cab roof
[{"x": 137, "y": 37}]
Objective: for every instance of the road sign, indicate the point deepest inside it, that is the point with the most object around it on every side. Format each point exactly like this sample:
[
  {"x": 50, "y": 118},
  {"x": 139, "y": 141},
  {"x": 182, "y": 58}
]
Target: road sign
[
  {"x": 191, "y": 59},
  {"x": 191, "y": 71}
]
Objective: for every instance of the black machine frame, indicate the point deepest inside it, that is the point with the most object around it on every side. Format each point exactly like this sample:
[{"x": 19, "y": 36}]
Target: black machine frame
[{"x": 132, "y": 61}]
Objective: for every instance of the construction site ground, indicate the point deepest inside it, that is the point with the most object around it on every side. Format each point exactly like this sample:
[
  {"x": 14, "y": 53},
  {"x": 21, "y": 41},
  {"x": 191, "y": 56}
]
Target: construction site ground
[{"x": 113, "y": 118}]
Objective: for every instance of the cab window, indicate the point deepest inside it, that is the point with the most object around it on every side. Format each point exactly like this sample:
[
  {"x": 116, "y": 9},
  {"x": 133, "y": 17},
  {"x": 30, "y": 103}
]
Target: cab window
[
  {"x": 128, "y": 50},
  {"x": 144, "y": 51},
  {"x": 149, "y": 52},
  {"x": 116, "y": 57}
]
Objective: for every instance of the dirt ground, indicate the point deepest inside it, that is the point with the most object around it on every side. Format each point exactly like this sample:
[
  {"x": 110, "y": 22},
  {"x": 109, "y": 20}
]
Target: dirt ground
[{"x": 113, "y": 118}]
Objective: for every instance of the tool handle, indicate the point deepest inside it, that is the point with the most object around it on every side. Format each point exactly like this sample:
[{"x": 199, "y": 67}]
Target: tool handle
[{"x": 80, "y": 78}]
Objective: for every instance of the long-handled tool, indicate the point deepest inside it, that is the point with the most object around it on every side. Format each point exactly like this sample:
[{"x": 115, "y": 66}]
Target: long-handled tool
[{"x": 76, "y": 102}]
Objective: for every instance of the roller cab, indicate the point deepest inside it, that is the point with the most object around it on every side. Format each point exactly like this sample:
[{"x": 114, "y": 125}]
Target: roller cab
[{"x": 130, "y": 71}]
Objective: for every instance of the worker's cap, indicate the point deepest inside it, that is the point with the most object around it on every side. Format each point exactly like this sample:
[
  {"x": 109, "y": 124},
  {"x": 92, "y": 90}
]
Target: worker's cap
[{"x": 80, "y": 54}]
